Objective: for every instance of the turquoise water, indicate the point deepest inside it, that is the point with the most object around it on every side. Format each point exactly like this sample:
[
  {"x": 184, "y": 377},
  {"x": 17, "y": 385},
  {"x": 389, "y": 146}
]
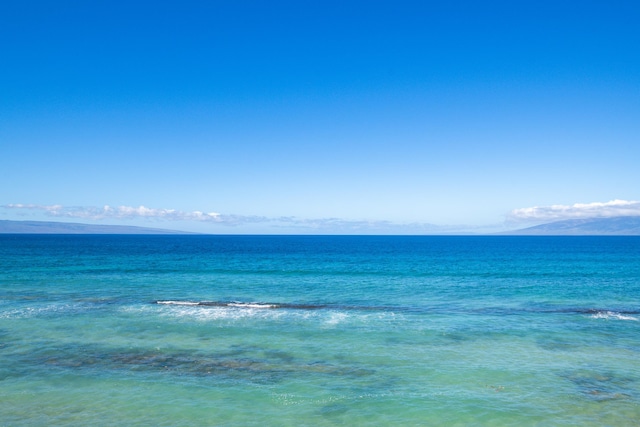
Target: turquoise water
[{"x": 319, "y": 331}]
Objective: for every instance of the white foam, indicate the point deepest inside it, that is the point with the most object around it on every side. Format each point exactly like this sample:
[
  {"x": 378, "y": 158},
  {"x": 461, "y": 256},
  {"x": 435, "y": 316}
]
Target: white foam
[
  {"x": 250, "y": 311},
  {"x": 250, "y": 305},
  {"x": 41, "y": 310},
  {"x": 218, "y": 313},
  {"x": 336, "y": 318},
  {"x": 612, "y": 315},
  {"x": 177, "y": 302}
]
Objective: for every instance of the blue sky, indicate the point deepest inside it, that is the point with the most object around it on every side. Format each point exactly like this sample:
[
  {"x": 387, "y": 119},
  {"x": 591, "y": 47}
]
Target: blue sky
[{"x": 319, "y": 117}]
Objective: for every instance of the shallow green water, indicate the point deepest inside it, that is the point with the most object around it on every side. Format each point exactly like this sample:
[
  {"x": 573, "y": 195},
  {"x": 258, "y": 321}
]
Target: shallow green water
[{"x": 249, "y": 330}]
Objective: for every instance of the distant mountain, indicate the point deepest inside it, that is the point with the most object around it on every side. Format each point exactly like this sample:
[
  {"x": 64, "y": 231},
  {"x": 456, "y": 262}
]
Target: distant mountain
[
  {"x": 50, "y": 227},
  {"x": 615, "y": 226}
]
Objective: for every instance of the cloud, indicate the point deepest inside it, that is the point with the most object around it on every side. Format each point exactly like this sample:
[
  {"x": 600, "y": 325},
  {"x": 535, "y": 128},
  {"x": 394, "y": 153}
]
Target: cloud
[
  {"x": 356, "y": 226},
  {"x": 278, "y": 223},
  {"x": 130, "y": 212},
  {"x": 579, "y": 210}
]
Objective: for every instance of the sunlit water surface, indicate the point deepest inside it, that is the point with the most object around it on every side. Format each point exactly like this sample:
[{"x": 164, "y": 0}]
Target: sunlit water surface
[{"x": 319, "y": 331}]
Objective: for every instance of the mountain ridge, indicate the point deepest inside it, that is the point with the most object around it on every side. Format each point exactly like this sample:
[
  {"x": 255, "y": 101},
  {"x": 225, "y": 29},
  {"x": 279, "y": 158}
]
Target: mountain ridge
[
  {"x": 54, "y": 227},
  {"x": 612, "y": 226}
]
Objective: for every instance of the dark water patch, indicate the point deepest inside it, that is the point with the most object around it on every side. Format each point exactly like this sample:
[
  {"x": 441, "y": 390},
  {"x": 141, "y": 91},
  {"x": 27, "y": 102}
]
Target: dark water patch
[
  {"x": 280, "y": 355},
  {"x": 602, "y": 385},
  {"x": 556, "y": 344},
  {"x": 237, "y": 364},
  {"x": 334, "y": 410}
]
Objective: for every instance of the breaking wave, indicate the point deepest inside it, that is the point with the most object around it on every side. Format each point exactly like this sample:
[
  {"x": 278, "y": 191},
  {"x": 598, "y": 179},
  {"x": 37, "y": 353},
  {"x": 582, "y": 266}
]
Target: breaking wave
[
  {"x": 328, "y": 315},
  {"x": 439, "y": 309},
  {"x": 613, "y": 315},
  {"x": 242, "y": 304}
]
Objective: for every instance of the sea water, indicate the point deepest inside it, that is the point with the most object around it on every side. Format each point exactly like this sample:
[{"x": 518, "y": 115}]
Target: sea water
[{"x": 319, "y": 330}]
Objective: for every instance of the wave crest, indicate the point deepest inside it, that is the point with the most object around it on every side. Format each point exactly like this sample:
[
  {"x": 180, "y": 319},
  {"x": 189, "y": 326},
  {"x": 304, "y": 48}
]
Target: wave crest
[{"x": 612, "y": 315}]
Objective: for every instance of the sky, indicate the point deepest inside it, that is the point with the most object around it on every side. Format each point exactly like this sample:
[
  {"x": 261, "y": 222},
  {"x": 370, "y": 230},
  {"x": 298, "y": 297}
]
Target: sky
[{"x": 321, "y": 117}]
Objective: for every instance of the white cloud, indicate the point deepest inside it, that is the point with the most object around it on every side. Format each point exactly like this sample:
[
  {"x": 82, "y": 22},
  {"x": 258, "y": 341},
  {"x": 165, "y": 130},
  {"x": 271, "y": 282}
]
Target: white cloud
[
  {"x": 356, "y": 226},
  {"x": 336, "y": 225},
  {"x": 129, "y": 212},
  {"x": 579, "y": 210}
]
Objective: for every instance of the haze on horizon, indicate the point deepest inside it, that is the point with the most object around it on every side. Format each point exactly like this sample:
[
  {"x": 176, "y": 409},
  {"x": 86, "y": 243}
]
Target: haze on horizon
[{"x": 319, "y": 117}]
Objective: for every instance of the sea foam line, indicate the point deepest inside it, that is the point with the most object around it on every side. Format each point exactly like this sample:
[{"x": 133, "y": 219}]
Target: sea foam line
[
  {"x": 612, "y": 315},
  {"x": 177, "y": 303},
  {"x": 592, "y": 312},
  {"x": 218, "y": 304},
  {"x": 290, "y": 306}
]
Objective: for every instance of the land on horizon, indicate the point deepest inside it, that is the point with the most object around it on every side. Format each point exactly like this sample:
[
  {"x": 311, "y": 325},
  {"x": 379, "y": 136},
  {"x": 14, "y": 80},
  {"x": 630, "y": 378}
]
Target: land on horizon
[
  {"x": 615, "y": 226},
  {"x": 55, "y": 227}
]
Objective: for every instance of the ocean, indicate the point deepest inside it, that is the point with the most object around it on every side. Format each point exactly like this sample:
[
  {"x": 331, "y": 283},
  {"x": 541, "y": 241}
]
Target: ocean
[{"x": 196, "y": 330}]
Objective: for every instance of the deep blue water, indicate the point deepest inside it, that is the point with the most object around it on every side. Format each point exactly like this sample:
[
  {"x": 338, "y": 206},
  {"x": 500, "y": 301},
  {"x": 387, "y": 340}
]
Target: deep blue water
[{"x": 319, "y": 330}]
